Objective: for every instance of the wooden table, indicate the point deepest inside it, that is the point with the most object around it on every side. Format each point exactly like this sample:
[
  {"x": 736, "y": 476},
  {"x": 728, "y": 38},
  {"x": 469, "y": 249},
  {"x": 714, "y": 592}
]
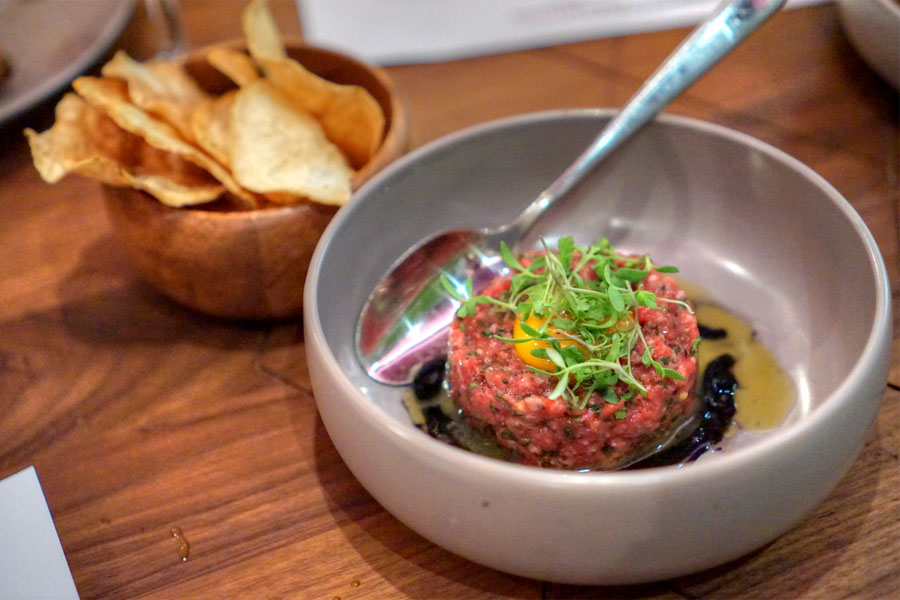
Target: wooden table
[{"x": 141, "y": 416}]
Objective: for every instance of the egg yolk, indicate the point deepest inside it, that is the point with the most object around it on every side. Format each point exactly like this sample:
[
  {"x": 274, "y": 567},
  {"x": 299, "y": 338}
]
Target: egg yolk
[{"x": 523, "y": 349}]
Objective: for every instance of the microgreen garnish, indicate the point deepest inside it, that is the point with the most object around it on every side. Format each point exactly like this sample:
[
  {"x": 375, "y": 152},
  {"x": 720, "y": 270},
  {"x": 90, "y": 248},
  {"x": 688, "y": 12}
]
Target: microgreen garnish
[{"x": 598, "y": 315}]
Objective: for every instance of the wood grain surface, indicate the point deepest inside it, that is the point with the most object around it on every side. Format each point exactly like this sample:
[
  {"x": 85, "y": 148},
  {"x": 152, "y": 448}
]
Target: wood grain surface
[{"x": 141, "y": 416}]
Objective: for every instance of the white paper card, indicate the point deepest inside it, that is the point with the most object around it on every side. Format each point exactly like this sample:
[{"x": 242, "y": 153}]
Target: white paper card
[
  {"x": 415, "y": 31},
  {"x": 32, "y": 562}
]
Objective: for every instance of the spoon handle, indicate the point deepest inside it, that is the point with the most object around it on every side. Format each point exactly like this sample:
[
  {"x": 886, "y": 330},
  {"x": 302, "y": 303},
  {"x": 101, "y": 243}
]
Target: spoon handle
[{"x": 731, "y": 22}]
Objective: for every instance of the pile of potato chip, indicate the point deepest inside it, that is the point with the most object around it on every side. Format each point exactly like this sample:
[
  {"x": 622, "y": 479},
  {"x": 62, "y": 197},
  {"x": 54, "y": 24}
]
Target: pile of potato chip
[{"x": 283, "y": 136}]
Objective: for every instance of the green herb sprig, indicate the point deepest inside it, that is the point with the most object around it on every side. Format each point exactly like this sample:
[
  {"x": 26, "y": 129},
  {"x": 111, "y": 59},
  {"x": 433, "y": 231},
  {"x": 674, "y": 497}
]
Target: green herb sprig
[{"x": 599, "y": 315}]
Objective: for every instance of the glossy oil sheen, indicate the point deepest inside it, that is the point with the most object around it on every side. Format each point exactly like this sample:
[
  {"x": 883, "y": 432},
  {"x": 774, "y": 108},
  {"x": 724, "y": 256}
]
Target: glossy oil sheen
[{"x": 765, "y": 393}]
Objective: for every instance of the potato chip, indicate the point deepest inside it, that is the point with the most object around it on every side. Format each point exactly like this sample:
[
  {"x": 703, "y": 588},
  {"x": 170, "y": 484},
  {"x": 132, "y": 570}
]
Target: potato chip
[
  {"x": 281, "y": 152},
  {"x": 209, "y": 124},
  {"x": 86, "y": 142},
  {"x": 172, "y": 193},
  {"x": 110, "y": 95},
  {"x": 350, "y": 116},
  {"x": 284, "y": 136},
  {"x": 234, "y": 64},
  {"x": 261, "y": 31},
  {"x": 161, "y": 88}
]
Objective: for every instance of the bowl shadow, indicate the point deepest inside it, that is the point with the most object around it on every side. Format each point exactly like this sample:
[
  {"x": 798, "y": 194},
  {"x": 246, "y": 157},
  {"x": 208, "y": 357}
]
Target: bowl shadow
[
  {"x": 800, "y": 562},
  {"x": 104, "y": 301}
]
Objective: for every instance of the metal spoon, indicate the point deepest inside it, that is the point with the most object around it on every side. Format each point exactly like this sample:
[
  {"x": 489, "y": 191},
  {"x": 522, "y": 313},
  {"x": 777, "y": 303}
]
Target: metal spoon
[{"x": 404, "y": 323}]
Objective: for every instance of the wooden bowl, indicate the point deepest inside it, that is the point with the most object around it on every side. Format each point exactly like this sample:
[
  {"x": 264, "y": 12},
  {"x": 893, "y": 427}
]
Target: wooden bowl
[{"x": 245, "y": 264}]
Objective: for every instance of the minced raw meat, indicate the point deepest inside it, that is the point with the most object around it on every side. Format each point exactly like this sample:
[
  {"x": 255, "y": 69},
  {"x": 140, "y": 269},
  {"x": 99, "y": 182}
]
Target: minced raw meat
[{"x": 500, "y": 395}]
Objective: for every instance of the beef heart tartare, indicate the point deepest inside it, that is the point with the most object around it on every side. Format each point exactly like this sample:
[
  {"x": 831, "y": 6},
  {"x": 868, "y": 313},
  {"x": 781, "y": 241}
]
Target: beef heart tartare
[{"x": 580, "y": 358}]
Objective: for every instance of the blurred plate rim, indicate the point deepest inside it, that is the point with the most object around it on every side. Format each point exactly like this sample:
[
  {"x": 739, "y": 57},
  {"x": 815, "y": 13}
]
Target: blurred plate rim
[{"x": 21, "y": 102}]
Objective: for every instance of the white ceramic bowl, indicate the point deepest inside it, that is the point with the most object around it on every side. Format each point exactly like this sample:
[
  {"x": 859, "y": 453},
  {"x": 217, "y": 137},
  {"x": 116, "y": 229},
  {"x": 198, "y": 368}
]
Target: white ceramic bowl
[
  {"x": 873, "y": 27},
  {"x": 771, "y": 239}
]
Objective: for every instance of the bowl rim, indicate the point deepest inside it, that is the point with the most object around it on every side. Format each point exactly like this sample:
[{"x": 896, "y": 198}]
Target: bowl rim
[
  {"x": 891, "y": 6},
  {"x": 428, "y": 448}
]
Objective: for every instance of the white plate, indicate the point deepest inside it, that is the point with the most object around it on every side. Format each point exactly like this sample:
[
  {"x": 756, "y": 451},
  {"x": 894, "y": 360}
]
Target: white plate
[{"x": 47, "y": 43}]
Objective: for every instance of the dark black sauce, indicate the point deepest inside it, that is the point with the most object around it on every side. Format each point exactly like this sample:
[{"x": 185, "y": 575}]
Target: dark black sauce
[
  {"x": 427, "y": 385},
  {"x": 716, "y": 411},
  {"x": 717, "y": 398},
  {"x": 712, "y": 333},
  {"x": 430, "y": 378},
  {"x": 439, "y": 425}
]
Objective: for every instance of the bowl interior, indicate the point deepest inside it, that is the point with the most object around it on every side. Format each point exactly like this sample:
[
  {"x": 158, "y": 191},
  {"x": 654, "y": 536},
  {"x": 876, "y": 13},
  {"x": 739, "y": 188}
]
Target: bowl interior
[
  {"x": 873, "y": 28},
  {"x": 764, "y": 236}
]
